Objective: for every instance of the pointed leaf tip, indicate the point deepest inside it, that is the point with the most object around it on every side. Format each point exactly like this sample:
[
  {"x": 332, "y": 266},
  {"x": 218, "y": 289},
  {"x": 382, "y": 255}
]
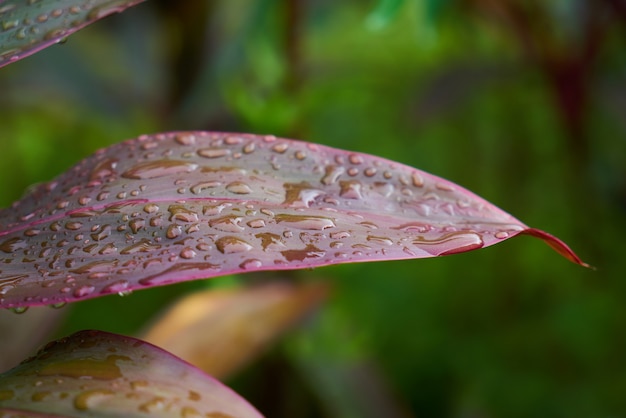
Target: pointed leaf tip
[
  {"x": 179, "y": 206},
  {"x": 556, "y": 244}
]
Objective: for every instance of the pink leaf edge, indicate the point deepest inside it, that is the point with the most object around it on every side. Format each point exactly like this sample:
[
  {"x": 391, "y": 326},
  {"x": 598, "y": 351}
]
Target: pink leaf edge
[{"x": 179, "y": 206}]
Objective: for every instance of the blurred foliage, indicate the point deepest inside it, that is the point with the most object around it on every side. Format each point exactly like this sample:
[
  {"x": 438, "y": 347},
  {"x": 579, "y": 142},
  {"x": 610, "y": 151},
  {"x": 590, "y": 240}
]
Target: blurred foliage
[{"x": 520, "y": 101}]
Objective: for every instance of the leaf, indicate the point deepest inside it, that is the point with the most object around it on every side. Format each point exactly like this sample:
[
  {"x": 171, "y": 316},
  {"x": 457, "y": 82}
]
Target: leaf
[
  {"x": 93, "y": 373},
  {"x": 179, "y": 206},
  {"x": 28, "y": 26},
  {"x": 219, "y": 331}
]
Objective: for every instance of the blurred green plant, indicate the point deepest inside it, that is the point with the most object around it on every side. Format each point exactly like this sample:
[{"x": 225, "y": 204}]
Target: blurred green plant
[{"x": 505, "y": 333}]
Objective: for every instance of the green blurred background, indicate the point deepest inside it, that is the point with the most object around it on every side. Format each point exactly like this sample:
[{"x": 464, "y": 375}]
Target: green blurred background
[{"x": 521, "y": 101}]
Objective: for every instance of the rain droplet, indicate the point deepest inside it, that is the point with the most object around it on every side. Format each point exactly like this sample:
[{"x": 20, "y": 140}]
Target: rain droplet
[
  {"x": 213, "y": 152},
  {"x": 238, "y": 187},
  {"x": 187, "y": 253},
  {"x": 229, "y": 245},
  {"x": 331, "y": 174},
  {"x": 83, "y": 291},
  {"x": 230, "y": 223},
  {"x": 151, "y": 208},
  {"x": 198, "y": 188},
  {"x": 88, "y": 399},
  {"x": 185, "y": 138},
  {"x": 162, "y": 168},
  {"x": 256, "y": 223},
  {"x": 142, "y": 246},
  {"x": 13, "y": 244},
  {"x": 350, "y": 189},
  {"x": 180, "y": 213},
  {"x": 306, "y": 222},
  {"x": 104, "y": 169},
  {"x": 251, "y": 264}
]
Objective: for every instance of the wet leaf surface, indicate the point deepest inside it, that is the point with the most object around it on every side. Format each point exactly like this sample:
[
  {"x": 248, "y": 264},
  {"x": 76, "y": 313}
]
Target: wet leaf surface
[
  {"x": 188, "y": 205},
  {"x": 93, "y": 373},
  {"x": 28, "y": 26}
]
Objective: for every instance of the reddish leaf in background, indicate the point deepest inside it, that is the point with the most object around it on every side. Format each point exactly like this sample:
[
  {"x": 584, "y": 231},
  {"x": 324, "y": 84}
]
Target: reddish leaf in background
[
  {"x": 98, "y": 374},
  {"x": 180, "y": 206},
  {"x": 28, "y": 26}
]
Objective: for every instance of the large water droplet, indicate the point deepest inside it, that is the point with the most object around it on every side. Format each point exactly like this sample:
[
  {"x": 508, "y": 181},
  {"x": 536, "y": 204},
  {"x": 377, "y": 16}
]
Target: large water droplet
[
  {"x": 13, "y": 244},
  {"x": 142, "y": 246},
  {"x": 230, "y": 244},
  {"x": 331, "y": 174},
  {"x": 238, "y": 187},
  {"x": 350, "y": 189},
  {"x": 310, "y": 251},
  {"x": 104, "y": 169},
  {"x": 181, "y": 213},
  {"x": 162, "y": 168},
  {"x": 90, "y": 398},
  {"x": 306, "y": 222},
  {"x": 300, "y": 194},
  {"x": 229, "y": 223},
  {"x": 213, "y": 152}
]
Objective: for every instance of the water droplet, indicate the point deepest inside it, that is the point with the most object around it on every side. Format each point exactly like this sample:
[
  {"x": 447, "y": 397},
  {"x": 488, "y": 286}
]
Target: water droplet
[
  {"x": 370, "y": 172},
  {"x": 350, "y": 189},
  {"x": 213, "y": 152},
  {"x": 280, "y": 147},
  {"x": 251, "y": 264},
  {"x": 151, "y": 208},
  {"x": 83, "y": 291},
  {"x": 270, "y": 242},
  {"x": 73, "y": 226},
  {"x": 187, "y": 253},
  {"x": 300, "y": 155},
  {"x": 249, "y": 148},
  {"x": 238, "y": 187},
  {"x": 306, "y": 222},
  {"x": 445, "y": 187},
  {"x": 155, "y": 405},
  {"x": 180, "y": 213},
  {"x": 31, "y": 232},
  {"x": 198, "y": 188},
  {"x": 6, "y": 395},
  {"x": 331, "y": 174},
  {"x": 339, "y": 235},
  {"x": 230, "y": 223},
  {"x": 58, "y": 305},
  {"x": 13, "y": 244},
  {"x": 501, "y": 234},
  {"x": 89, "y": 399},
  {"x": 136, "y": 225},
  {"x": 185, "y": 138},
  {"x": 310, "y": 251},
  {"x": 117, "y": 287},
  {"x": 104, "y": 169},
  {"x": 300, "y": 194},
  {"x": 161, "y": 168},
  {"x": 452, "y": 243},
  {"x": 19, "y": 309},
  {"x": 417, "y": 179},
  {"x": 355, "y": 159},
  {"x": 256, "y": 223},
  {"x": 379, "y": 240},
  {"x": 173, "y": 231},
  {"x": 229, "y": 245},
  {"x": 142, "y": 246}
]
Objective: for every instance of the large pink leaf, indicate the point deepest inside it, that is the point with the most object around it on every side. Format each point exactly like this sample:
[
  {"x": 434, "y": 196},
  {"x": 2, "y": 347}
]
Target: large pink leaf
[
  {"x": 180, "y": 206},
  {"x": 27, "y": 26},
  {"x": 97, "y": 374}
]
